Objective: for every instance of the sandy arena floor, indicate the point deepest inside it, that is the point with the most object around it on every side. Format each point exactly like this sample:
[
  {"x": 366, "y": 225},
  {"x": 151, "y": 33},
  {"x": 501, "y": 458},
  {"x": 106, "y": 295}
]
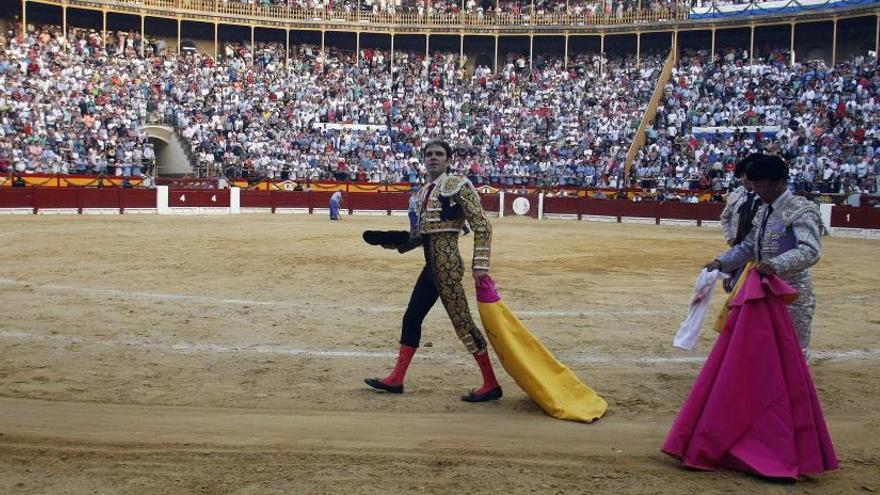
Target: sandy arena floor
[{"x": 156, "y": 355}]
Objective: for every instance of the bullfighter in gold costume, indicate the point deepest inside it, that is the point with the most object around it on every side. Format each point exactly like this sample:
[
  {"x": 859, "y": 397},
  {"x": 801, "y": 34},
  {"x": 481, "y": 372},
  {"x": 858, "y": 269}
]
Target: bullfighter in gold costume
[{"x": 444, "y": 205}]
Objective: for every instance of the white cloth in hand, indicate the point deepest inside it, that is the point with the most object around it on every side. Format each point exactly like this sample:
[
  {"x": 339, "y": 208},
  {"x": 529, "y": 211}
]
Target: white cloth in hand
[{"x": 689, "y": 332}]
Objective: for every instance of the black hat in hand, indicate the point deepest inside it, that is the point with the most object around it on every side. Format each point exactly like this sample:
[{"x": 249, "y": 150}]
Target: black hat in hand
[{"x": 386, "y": 237}]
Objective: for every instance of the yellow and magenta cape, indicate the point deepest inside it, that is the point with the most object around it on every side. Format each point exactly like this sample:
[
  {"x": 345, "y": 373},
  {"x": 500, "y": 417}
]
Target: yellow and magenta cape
[{"x": 548, "y": 382}]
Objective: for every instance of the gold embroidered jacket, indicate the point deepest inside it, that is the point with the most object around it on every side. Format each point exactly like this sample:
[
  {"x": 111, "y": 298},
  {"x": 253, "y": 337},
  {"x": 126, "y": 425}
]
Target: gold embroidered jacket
[{"x": 453, "y": 201}]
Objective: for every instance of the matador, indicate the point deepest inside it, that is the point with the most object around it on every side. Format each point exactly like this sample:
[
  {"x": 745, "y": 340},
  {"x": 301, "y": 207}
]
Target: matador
[{"x": 445, "y": 203}]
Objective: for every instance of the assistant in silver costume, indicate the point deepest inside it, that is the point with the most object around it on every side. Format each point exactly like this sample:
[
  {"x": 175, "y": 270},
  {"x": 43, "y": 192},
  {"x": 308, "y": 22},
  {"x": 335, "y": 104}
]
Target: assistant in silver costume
[
  {"x": 739, "y": 212},
  {"x": 785, "y": 240},
  {"x": 736, "y": 218}
]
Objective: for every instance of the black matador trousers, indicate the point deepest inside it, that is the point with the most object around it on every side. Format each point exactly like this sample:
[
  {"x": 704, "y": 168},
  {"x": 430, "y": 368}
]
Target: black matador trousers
[{"x": 441, "y": 277}]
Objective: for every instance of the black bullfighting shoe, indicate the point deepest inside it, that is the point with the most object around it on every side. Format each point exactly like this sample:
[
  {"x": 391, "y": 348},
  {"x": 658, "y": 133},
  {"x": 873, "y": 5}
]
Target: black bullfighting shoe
[
  {"x": 391, "y": 389},
  {"x": 472, "y": 396}
]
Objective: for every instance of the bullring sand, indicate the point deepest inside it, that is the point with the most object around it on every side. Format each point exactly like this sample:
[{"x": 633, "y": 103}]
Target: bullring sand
[{"x": 149, "y": 355}]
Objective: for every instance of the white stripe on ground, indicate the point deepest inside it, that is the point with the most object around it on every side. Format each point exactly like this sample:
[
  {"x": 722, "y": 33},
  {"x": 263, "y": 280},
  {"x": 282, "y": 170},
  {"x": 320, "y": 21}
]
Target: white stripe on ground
[
  {"x": 192, "y": 348},
  {"x": 163, "y": 296}
]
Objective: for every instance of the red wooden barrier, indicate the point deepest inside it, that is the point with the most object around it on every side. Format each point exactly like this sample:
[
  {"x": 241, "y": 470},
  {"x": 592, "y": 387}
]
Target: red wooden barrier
[
  {"x": 137, "y": 198},
  {"x": 711, "y": 211},
  {"x": 490, "y": 202},
  {"x": 289, "y": 199},
  {"x": 114, "y": 197},
  {"x": 679, "y": 211},
  {"x": 874, "y": 218},
  {"x": 397, "y": 201},
  {"x": 56, "y": 197},
  {"x": 851, "y": 217},
  {"x": 569, "y": 206},
  {"x": 100, "y": 198},
  {"x": 321, "y": 199},
  {"x": 364, "y": 201},
  {"x": 601, "y": 207},
  {"x": 642, "y": 209},
  {"x": 255, "y": 199},
  {"x": 17, "y": 197}
]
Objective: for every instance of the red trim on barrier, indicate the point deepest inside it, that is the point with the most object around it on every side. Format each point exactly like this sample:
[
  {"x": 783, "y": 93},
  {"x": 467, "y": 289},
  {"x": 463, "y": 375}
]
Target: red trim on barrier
[
  {"x": 79, "y": 198},
  {"x": 874, "y": 218}
]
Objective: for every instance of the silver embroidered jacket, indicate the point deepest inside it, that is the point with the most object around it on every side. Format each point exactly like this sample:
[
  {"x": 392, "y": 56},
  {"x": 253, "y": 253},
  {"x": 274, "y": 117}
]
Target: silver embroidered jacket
[
  {"x": 730, "y": 215},
  {"x": 789, "y": 242}
]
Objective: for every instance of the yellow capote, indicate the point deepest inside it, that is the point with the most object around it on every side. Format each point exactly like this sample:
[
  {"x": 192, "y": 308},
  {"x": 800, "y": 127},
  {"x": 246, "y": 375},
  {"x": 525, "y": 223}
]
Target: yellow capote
[
  {"x": 548, "y": 382},
  {"x": 721, "y": 320}
]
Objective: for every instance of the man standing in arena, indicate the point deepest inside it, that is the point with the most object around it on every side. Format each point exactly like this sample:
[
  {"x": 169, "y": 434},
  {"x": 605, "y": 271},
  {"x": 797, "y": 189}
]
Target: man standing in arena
[
  {"x": 443, "y": 206},
  {"x": 742, "y": 204},
  {"x": 785, "y": 240},
  {"x": 335, "y": 202},
  {"x": 413, "y": 210}
]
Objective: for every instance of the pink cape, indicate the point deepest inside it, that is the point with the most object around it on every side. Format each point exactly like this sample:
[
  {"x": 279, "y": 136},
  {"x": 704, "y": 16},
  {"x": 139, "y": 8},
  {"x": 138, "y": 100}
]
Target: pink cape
[{"x": 754, "y": 407}]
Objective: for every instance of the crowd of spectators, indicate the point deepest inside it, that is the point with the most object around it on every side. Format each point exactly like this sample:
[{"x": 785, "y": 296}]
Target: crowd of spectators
[
  {"x": 610, "y": 8},
  {"x": 324, "y": 115},
  {"x": 519, "y": 8},
  {"x": 327, "y": 116},
  {"x": 824, "y": 121},
  {"x": 72, "y": 107}
]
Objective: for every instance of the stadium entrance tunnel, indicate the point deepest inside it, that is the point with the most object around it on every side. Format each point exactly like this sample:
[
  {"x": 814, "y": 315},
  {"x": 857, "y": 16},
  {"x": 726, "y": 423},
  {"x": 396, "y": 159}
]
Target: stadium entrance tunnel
[{"x": 171, "y": 156}]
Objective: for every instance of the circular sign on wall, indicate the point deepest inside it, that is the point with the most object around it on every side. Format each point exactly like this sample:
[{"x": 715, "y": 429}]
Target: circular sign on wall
[{"x": 521, "y": 206}]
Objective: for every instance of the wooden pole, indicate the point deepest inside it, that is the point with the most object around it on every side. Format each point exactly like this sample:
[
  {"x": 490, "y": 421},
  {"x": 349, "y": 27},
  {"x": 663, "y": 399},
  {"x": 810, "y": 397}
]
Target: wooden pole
[
  {"x": 752, "y": 44},
  {"x": 834, "y": 45},
  {"x": 143, "y": 32},
  {"x": 638, "y": 49},
  {"x": 565, "y": 58}
]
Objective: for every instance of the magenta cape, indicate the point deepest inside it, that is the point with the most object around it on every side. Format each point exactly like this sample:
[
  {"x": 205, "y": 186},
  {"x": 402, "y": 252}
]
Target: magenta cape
[{"x": 753, "y": 406}]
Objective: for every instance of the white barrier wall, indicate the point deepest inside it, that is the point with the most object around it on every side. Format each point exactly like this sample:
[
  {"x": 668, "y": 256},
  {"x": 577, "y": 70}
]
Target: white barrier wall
[
  {"x": 162, "y": 200},
  {"x": 234, "y": 200}
]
